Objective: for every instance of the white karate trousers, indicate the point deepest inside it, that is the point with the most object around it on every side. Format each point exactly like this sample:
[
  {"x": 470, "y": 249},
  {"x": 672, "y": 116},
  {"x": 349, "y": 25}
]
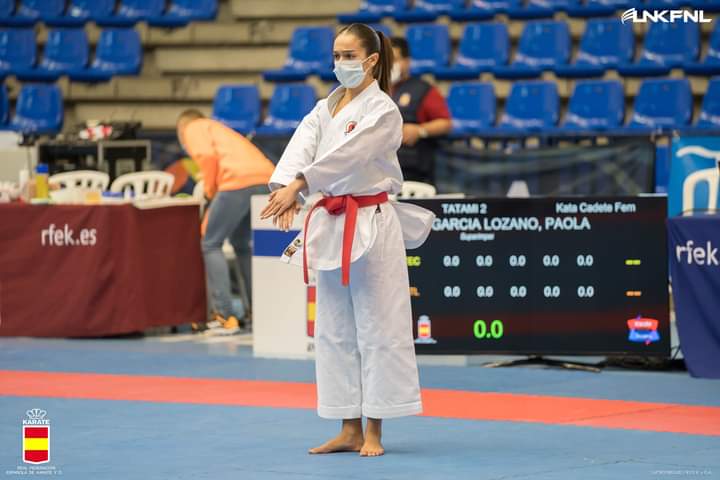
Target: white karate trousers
[{"x": 364, "y": 348}]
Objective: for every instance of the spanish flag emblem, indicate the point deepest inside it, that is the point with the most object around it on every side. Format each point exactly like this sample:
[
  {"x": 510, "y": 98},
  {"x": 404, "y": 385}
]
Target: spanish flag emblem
[
  {"x": 311, "y": 301},
  {"x": 36, "y": 444}
]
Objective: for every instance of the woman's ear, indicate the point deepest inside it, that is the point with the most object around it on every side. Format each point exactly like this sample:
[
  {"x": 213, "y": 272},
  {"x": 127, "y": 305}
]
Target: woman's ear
[{"x": 374, "y": 60}]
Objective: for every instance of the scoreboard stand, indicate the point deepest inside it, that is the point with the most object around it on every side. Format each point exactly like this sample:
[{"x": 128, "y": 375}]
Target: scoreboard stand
[{"x": 540, "y": 360}]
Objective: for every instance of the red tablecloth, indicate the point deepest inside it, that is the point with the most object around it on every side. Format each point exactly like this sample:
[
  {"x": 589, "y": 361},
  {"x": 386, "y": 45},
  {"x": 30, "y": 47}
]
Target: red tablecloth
[{"x": 98, "y": 270}]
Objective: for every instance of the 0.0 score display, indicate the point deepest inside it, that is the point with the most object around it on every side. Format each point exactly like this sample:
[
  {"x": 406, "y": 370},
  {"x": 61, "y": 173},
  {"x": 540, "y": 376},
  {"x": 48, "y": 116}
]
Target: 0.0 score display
[
  {"x": 493, "y": 332},
  {"x": 518, "y": 261}
]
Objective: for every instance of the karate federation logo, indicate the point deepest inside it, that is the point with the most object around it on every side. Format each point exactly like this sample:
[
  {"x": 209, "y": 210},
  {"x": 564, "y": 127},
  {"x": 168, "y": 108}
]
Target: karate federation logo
[
  {"x": 36, "y": 437},
  {"x": 350, "y": 126}
]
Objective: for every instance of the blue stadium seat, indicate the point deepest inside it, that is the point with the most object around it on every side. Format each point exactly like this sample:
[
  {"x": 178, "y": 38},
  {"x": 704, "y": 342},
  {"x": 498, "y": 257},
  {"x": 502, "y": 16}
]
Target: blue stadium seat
[
  {"x": 66, "y": 51},
  {"x": 710, "y": 65},
  {"x": 141, "y": 9},
  {"x": 41, "y": 9},
  {"x": 238, "y": 107},
  {"x": 288, "y": 105},
  {"x": 710, "y": 108},
  {"x": 7, "y": 8},
  {"x": 4, "y": 107},
  {"x": 531, "y": 105},
  {"x": 472, "y": 107},
  {"x": 553, "y": 5},
  {"x": 706, "y": 5},
  {"x": 483, "y": 46},
  {"x": 181, "y": 12},
  {"x": 428, "y": 10},
  {"x": 666, "y": 45},
  {"x": 91, "y": 9},
  {"x": 662, "y": 104},
  {"x": 614, "y": 4},
  {"x": 118, "y": 52},
  {"x": 544, "y": 45},
  {"x": 542, "y": 8},
  {"x": 605, "y": 44},
  {"x": 602, "y": 8},
  {"x": 665, "y": 4},
  {"x": 484, "y": 10},
  {"x": 429, "y": 47},
  {"x": 372, "y": 11},
  {"x": 193, "y": 10},
  {"x": 17, "y": 50},
  {"x": 129, "y": 12},
  {"x": 80, "y": 12},
  {"x": 39, "y": 110},
  {"x": 310, "y": 52},
  {"x": 596, "y": 105},
  {"x": 8, "y": 17},
  {"x": 668, "y": 3}
]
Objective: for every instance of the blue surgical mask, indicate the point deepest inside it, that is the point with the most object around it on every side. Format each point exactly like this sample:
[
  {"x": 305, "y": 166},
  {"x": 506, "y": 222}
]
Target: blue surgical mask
[{"x": 350, "y": 73}]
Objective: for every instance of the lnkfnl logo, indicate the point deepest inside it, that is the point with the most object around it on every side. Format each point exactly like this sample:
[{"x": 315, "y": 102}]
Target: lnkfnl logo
[
  {"x": 664, "y": 16},
  {"x": 36, "y": 437}
]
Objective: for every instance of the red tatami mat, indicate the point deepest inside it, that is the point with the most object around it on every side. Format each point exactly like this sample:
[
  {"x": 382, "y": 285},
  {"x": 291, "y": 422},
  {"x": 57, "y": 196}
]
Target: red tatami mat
[{"x": 619, "y": 414}]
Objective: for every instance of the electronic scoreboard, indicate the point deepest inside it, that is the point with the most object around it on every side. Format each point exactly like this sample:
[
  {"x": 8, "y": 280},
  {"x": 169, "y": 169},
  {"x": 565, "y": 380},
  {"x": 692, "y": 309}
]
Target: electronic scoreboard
[{"x": 543, "y": 276}]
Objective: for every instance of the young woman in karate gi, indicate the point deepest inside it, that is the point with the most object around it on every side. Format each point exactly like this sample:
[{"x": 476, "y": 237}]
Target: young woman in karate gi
[{"x": 355, "y": 241}]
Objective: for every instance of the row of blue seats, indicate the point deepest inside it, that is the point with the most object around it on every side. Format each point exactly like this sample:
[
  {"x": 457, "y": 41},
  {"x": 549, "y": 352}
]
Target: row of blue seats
[
  {"x": 532, "y": 106},
  {"x": 67, "y": 52},
  {"x": 106, "y": 12},
  {"x": 372, "y": 11},
  {"x": 39, "y": 108},
  {"x": 545, "y": 45},
  {"x": 594, "y": 106}
]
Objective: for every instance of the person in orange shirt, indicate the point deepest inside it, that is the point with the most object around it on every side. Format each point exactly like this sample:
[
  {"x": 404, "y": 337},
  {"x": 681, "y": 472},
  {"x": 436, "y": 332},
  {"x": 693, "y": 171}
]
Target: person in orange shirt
[{"x": 233, "y": 169}]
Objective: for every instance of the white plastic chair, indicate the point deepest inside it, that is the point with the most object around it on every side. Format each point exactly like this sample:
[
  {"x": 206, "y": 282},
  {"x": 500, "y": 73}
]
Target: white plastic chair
[
  {"x": 81, "y": 179},
  {"x": 709, "y": 175},
  {"x": 145, "y": 185},
  {"x": 412, "y": 189}
]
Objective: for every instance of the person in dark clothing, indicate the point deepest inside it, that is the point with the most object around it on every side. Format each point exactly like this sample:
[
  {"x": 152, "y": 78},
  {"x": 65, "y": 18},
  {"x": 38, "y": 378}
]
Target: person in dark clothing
[{"x": 425, "y": 117}]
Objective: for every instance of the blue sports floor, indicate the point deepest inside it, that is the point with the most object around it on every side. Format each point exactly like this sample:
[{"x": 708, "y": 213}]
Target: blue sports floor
[{"x": 181, "y": 439}]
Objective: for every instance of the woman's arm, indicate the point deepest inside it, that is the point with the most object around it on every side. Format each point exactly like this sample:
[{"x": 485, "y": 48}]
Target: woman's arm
[{"x": 283, "y": 199}]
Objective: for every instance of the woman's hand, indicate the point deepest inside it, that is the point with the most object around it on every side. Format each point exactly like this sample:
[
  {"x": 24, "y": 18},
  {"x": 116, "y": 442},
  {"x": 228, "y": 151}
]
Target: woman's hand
[
  {"x": 284, "y": 220},
  {"x": 279, "y": 201},
  {"x": 282, "y": 199}
]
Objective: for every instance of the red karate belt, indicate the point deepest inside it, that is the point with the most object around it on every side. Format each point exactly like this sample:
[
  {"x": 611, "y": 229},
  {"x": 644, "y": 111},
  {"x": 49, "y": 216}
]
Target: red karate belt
[{"x": 349, "y": 205}]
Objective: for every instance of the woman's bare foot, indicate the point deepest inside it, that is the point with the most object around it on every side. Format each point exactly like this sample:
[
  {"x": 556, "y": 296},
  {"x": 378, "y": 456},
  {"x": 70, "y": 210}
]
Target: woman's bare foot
[
  {"x": 372, "y": 446},
  {"x": 350, "y": 439}
]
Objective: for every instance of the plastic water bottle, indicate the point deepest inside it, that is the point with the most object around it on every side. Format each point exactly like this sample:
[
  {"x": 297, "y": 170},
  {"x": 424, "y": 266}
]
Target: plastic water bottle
[
  {"x": 24, "y": 183},
  {"x": 41, "y": 181}
]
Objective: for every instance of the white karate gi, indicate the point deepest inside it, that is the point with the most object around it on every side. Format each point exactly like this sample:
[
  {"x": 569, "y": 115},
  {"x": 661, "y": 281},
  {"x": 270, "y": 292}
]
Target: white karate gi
[{"x": 364, "y": 349}]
